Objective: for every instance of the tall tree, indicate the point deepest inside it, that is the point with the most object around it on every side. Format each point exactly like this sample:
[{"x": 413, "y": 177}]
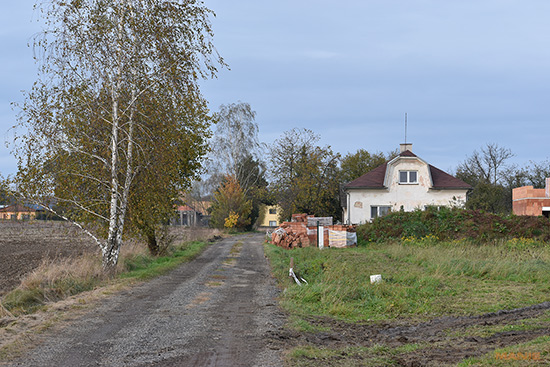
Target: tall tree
[
  {"x": 357, "y": 164},
  {"x": 112, "y": 70},
  {"x": 237, "y": 151},
  {"x": 252, "y": 173},
  {"x": 487, "y": 165},
  {"x": 234, "y": 143},
  {"x": 537, "y": 173},
  {"x": 490, "y": 174},
  {"x": 305, "y": 175}
]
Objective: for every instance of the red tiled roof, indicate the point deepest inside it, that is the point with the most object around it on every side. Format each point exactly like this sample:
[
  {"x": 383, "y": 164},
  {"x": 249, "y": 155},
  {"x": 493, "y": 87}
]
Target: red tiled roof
[
  {"x": 17, "y": 208},
  {"x": 184, "y": 208},
  {"x": 375, "y": 179},
  {"x": 443, "y": 180}
]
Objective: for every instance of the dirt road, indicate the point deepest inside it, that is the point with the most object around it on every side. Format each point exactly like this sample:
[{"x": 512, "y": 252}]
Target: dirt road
[{"x": 218, "y": 310}]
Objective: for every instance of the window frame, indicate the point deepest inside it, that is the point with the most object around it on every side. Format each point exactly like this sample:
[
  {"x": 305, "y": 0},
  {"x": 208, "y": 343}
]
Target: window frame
[
  {"x": 408, "y": 178},
  {"x": 378, "y": 213}
]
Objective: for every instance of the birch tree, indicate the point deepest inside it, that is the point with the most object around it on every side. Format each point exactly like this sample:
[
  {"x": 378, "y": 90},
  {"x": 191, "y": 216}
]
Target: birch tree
[
  {"x": 111, "y": 73},
  {"x": 235, "y": 142}
]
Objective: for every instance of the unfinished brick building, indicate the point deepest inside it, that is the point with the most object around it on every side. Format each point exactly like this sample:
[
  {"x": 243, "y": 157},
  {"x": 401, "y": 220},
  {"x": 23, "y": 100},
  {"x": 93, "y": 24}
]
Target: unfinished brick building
[{"x": 529, "y": 201}]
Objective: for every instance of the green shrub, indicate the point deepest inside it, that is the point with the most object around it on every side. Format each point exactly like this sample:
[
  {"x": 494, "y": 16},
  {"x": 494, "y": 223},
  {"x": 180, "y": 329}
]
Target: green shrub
[{"x": 450, "y": 224}]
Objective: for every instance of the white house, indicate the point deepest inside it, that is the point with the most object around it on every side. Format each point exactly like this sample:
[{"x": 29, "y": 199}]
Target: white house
[{"x": 405, "y": 183}]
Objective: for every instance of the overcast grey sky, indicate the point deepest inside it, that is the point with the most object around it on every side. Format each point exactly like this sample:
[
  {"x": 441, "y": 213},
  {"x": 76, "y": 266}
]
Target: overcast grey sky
[{"x": 467, "y": 72}]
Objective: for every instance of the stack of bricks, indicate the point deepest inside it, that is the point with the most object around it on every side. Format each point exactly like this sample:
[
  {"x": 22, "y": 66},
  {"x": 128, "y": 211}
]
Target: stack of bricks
[
  {"x": 291, "y": 235},
  {"x": 300, "y": 218},
  {"x": 297, "y": 234}
]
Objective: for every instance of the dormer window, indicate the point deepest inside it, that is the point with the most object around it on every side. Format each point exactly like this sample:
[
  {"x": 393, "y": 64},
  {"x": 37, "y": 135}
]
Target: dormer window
[{"x": 408, "y": 177}]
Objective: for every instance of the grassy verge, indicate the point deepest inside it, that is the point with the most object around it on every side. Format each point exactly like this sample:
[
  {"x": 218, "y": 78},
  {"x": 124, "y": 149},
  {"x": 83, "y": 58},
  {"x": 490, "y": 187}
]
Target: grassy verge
[
  {"x": 58, "y": 279},
  {"x": 422, "y": 279},
  {"x": 144, "y": 266},
  {"x": 418, "y": 281}
]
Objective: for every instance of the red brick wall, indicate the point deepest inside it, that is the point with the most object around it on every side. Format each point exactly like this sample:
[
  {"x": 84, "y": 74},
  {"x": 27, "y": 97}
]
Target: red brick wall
[{"x": 529, "y": 201}]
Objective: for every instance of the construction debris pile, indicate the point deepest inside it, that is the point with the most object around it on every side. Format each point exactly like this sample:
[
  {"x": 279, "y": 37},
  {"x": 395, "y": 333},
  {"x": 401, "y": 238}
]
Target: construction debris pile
[{"x": 302, "y": 232}]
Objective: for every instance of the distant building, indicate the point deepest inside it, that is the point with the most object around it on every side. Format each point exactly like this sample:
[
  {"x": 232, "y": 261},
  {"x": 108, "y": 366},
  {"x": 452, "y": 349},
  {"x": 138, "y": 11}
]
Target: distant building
[
  {"x": 527, "y": 200},
  {"x": 404, "y": 183},
  {"x": 192, "y": 212},
  {"x": 270, "y": 216},
  {"x": 21, "y": 212}
]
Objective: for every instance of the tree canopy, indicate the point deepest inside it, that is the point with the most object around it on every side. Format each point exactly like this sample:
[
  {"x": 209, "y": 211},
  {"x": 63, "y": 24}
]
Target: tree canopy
[
  {"x": 489, "y": 172},
  {"x": 305, "y": 175},
  {"x": 231, "y": 209},
  {"x": 116, "y": 123},
  {"x": 354, "y": 165}
]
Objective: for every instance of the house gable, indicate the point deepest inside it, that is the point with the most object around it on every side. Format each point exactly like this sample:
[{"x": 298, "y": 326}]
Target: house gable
[
  {"x": 379, "y": 178},
  {"x": 407, "y": 162},
  {"x": 406, "y": 182}
]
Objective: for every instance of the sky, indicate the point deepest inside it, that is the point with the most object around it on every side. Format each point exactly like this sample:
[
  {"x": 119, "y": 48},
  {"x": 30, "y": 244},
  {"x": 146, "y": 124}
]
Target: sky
[{"x": 466, "y": 72}]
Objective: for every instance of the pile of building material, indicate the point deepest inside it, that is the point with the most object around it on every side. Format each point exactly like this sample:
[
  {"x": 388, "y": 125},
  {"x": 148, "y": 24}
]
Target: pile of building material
[{"x": 302, "y": 232}]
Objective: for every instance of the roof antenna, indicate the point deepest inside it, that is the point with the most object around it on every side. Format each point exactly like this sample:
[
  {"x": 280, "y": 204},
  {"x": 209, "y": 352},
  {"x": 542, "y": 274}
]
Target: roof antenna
[{"x": 405, "y": 127}]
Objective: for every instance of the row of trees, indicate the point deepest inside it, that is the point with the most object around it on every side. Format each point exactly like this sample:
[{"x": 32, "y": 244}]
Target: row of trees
[
  {"x": 115, "y": 128},
  {"x": 493, "y": 177},
  {"x": 305, "y": 177},
  {"x": 300, "y": 175}
]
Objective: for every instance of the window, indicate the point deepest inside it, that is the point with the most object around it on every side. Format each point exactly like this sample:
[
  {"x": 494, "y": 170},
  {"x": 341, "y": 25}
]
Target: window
[
  {"x": 379, "y": 211},
  {"x": 273, "y": 223},
  {"x": 272, "y": 211},
  {"x": 408, "y": 177},
  {"x": 433, "y": 207}
]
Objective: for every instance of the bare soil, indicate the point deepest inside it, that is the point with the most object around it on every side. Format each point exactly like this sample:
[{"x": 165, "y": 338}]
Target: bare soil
[
  {"x": 24, "y": 245},
  {"x": 445, "y": 341}
]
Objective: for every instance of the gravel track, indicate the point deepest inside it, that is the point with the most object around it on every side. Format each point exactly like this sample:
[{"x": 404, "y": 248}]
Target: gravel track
[{"x": 218, "y": 310}]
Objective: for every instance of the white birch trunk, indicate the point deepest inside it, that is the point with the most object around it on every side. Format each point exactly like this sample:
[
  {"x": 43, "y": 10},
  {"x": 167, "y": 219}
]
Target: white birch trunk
[{"x": 110, "y": 256}]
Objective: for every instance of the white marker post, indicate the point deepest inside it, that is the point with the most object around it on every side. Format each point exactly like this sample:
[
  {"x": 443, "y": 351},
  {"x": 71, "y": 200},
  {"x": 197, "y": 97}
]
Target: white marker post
[{"x": 320, "y": 236}]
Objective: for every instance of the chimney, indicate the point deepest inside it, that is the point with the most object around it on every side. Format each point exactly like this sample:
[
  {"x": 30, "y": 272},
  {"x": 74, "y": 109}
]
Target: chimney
[
  {"x": 548, "y": 187},
  {"x": 408, "y": 146}
]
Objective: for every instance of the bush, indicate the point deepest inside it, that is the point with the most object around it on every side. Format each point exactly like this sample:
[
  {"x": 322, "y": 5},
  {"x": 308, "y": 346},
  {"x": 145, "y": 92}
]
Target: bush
[{"x": 454, "y": 224}]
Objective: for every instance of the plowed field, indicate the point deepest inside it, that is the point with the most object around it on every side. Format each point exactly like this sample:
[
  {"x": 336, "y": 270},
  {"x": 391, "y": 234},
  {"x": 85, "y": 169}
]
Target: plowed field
[{"x": 24, "y": 245}]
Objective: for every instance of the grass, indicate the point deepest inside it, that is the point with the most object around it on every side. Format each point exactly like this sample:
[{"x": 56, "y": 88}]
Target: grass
[
  {"x": 534, "y": 352},
  {"x": 422, "y": 279},
  {"x": 375, "y": 356},
  {"x": 418, "y": 281},
  {"x": 143, "y": 266}
]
